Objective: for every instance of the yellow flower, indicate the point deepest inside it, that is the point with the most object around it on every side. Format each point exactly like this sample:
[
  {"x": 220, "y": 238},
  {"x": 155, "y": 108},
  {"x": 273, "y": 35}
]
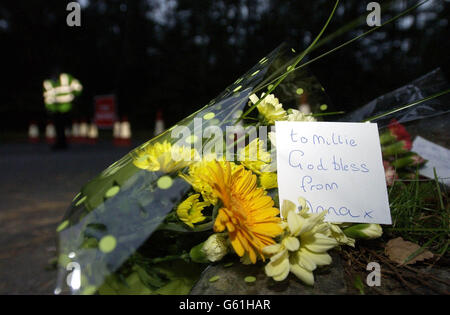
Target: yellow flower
[
  {"x": 196, "y": 180},
  {"x": 255, "y": 158},
  {"x": 270, "y": 108},
  {"x": 303, "y": 245},
  {"x": 268, "y": 180},
  {"x": 248, "y": 214},
  {"x": 164, "y": 157},
  {"x": 190, "y": 210}
]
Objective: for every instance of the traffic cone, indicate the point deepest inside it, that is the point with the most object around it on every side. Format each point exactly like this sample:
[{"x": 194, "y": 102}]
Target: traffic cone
[
  {"x": 159, "y": 123},
  {"x": 92, "y": 134},
  {"x": 50, "y": 133},
  {"x": 125, "y": 132},
  {"x": 74, "y": 137},
  {"x": 83, "y": 131},
  {"x": 33, "y": 132},
  {"x": 116, "y": 133},
  {"x": 304, "y": 107},
  {"x": 67, "y": 132}
]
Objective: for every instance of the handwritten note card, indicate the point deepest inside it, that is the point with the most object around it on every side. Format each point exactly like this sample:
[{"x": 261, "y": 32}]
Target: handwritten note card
[{"x": 336, "y": 167}]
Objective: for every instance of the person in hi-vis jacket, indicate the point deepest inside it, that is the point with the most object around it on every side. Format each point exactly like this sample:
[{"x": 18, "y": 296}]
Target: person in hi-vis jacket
[{"x": 58, "y": 97}]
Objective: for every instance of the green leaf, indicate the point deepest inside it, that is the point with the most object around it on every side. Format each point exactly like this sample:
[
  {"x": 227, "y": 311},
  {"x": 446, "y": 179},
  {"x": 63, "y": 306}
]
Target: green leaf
[
  {"x": 214, "y": 279},
  {"x": 178, "y": 286},
  {"x": 198, "y": 255},
  {"x": 133, "y": 285},
  {"x": 249, "y": 279},
  {"x": 149, "y": 277},
  {"x": 182, "y": 276},
  {"x": 358, "y": 284}
]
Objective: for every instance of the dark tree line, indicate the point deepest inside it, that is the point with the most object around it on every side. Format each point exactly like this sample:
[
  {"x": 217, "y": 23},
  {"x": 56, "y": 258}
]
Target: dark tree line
[{"x": 178, "y": 54}]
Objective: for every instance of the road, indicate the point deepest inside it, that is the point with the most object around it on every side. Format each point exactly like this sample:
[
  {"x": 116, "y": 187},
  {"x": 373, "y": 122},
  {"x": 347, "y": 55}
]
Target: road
[{"x": 36, "y": 188}]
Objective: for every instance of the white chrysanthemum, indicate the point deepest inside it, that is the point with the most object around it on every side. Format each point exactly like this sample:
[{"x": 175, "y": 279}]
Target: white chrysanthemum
[
  {"x": 270, "y": 108},
  {"x": 216, "y": 247},
  {"x": 273, "y": 138},
  {"x": 336, "y": 232},
  {"x": 303, "y": 246},
  {"x": 365, "y": 231},
  {"x": 297, "y": 115}
]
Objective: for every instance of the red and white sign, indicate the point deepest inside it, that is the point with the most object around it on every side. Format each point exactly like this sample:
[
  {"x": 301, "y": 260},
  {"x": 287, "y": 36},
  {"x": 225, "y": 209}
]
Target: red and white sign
[{"x": 105, "y": 111}]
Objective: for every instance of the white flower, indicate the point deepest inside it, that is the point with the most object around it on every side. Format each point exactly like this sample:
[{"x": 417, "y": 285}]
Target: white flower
[
  {"x": 270, "y": 108},
  {"x": 336, "y": 232},
  {"x": 365, "y": 231},
  {"x": 273, "y": 138},
  {"x": 216, "y": 247},
  {"x": 296, "y": 115},
  {"x": 303, "y": 246}
]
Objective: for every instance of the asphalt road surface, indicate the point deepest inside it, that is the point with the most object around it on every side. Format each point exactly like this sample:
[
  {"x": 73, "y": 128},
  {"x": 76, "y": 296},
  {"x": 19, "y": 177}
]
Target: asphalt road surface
[{"x": 36, "y": 188}]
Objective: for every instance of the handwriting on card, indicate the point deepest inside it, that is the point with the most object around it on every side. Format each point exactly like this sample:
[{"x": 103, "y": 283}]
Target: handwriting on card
[{"x": 337, "y": 167}]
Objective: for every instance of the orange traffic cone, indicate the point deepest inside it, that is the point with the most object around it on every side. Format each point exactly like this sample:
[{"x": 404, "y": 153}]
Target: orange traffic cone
[
  {"x": 74, "y": 137},
  {"x": 33, "y": 132},
  {"x": 116, "y": 133},
  {"x": 92, "y": 134},
  {"x": 159, "y": 123},
  {"x": 50, "y": 133},
  {"x": 67, "y": 132},
  {"x": 83, "y": 131},
  {"x": 125, "y": 132},
  {"x": 304, "y": 106}
]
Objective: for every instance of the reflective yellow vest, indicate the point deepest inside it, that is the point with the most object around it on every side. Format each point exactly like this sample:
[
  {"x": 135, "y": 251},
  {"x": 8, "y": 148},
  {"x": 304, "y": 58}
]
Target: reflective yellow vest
[{"x": 58, "y": 96}]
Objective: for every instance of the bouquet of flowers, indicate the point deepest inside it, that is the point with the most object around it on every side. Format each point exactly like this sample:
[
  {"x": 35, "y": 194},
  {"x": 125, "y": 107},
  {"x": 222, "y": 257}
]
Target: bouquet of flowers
[
  {"x": 205, "y": 188},
  {"x": 398, "y": 159}
]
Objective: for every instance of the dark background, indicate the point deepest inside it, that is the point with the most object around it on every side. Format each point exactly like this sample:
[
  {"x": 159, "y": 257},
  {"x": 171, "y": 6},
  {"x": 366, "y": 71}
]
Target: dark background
[{"x": 178, "y": 54}]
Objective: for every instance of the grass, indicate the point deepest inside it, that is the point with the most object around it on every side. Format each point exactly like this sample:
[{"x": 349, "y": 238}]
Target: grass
[{"x": 420, "y": 213}]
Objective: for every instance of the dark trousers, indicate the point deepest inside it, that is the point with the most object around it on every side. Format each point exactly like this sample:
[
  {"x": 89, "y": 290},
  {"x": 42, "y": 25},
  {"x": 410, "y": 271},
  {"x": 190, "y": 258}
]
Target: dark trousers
[{"x": 61, "y": 121}]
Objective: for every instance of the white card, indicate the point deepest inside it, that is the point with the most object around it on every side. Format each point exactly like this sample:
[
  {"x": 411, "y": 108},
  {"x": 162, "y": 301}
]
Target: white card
[
  {"x": 336, "y": 167},
  {"x": 438, "y": 157}
]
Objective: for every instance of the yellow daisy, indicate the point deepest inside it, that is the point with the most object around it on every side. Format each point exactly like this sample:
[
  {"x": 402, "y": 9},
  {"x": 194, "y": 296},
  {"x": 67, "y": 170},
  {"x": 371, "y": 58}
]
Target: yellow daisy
[
  {"x": 255, "y": 158},
  {"x": 268, "y": 180},
  {"x": 163, "y": 157},
  {"x": 196, "y": 179},
  {"x": 190, "y": 210},
  {"x": 248, "y": 214}
]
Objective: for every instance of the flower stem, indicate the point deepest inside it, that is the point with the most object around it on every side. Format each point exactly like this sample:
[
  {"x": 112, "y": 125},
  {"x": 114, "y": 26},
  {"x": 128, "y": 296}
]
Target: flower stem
[
  {"x": 158, "y": 260},
  {"x": 347, "y": 42},
  {"x": 291, "y": 68}
]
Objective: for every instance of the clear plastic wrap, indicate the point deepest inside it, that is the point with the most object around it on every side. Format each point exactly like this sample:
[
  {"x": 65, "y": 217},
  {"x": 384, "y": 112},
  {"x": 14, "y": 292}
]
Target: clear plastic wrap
[
  {"x": 425, "y": 86},
  {"x": 118, "y": 229}
]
